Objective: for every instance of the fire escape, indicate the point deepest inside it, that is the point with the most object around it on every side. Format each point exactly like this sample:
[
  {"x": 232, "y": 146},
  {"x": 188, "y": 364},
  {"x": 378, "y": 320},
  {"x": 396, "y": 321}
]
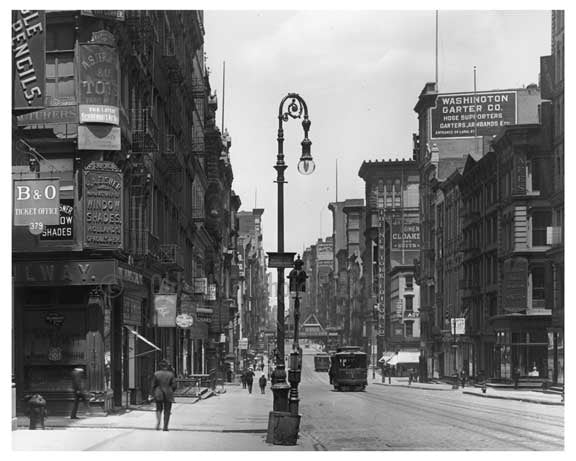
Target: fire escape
[
  {"x": 142, "y": 33},
  {"x": 171, "y": 163},
  {"x": 144, "y": 150}
]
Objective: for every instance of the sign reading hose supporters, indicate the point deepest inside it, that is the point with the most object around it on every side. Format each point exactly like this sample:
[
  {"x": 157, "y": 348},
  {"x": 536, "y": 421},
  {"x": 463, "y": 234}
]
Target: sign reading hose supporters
[
  {"x": 165, "y": 307},
  {"x": 461, "y": 115},
  {"x": 29, "y": 59},
  {"x": 103, "y": 214},
  {"x": 36, "y": 203}
]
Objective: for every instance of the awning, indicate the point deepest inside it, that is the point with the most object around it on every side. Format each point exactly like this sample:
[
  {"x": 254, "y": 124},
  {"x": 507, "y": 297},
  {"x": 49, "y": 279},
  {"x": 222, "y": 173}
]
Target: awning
[
  {"x": 139, "y": 336},
  {"x": 400, "y": 357}
]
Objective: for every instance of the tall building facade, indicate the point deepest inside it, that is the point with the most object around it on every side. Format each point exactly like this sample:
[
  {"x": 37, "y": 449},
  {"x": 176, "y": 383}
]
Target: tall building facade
[
  {"x": 116, "y": 128},
  {"x": 552, "y": 83},
  {"x": 451, "y": 127},
  {"x": 392, "y": 241},
  {"x": 254, "y": 298},
  {"x": 342, "y": 285},
  {"x": 452, "y": 349}
]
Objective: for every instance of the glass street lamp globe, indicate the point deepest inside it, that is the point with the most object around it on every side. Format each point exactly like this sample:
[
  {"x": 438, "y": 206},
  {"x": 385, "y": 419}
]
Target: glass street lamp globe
[{"x": 306, "y": 166}]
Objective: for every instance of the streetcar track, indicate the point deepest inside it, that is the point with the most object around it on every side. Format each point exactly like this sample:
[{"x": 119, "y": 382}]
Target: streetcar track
[
  {"x": 486, "y": 426},
  {"x": 507, "y": 433},
  {"x": 551, "y": 421}
]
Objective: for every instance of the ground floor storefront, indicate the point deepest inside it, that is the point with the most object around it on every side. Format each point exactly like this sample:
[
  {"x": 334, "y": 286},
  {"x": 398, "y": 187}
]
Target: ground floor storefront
[
  {"x": 521, "y": 346},
  {"x": 97, "y": 315}
]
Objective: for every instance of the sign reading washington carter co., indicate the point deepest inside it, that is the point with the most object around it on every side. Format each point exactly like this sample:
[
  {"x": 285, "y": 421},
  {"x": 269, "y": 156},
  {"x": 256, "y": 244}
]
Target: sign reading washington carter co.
[{"x": 472, "y": 114}]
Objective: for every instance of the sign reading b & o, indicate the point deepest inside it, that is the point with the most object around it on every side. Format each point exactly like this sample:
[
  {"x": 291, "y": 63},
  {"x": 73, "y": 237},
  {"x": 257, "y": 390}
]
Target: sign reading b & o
[{"x": 36, "y": 203}]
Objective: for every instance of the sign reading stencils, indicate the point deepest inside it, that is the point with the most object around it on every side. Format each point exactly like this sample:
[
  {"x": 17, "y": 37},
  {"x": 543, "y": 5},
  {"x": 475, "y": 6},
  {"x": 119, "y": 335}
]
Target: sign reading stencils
[{"x": 29, "y": 59}]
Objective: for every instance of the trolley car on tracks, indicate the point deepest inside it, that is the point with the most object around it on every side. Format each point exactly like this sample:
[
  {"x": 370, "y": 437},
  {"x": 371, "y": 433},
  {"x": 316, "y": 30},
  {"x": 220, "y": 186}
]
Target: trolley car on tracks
[
  {"x": 321, "y": 362},
  {"x": 348, "y": 369}
]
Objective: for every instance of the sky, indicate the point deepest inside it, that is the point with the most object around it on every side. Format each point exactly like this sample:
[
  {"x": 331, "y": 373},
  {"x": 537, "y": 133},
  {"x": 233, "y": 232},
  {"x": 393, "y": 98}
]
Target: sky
[{"x": 360, "y": 73}]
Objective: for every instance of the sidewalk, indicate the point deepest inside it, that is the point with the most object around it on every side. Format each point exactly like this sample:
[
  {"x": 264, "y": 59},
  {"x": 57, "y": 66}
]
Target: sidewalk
[
  {"x": 533, "y": 396},
  {"x": 229, "y": 414}
]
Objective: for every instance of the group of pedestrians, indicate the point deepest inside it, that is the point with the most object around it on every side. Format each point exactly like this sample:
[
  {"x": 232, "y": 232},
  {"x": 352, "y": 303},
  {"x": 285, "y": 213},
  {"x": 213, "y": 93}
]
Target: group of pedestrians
[
  {"x": 247, "y": 379},
  {"x": 162, "y": 391}
]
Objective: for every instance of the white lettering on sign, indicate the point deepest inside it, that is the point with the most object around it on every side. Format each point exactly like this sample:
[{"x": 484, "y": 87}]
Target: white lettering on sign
[{"x": 36, "y": 203}]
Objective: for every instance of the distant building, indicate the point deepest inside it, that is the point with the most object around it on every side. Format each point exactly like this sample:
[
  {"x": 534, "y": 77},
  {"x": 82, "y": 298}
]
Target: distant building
[
  {"x": 453, "y": 126},
  {"x": 254, "y": 310},
  {"x": 392, "y": 243},
  {"x": 552, "y": 83}
]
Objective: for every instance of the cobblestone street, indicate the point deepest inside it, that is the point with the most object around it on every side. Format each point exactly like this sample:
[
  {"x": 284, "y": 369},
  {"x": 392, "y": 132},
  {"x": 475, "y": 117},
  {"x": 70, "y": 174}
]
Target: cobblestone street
[{"x": 394, "y": 417}]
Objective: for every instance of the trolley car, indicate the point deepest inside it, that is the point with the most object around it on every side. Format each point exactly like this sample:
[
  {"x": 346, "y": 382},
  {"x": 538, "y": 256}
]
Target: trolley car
[
  {"x": 348, "y": 369},
  {"x": 321, "y": 362}
]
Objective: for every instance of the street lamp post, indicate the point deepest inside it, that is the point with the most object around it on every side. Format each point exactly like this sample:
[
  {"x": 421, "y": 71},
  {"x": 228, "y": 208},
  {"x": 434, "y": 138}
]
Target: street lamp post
[{"x": 283, "y": 425}]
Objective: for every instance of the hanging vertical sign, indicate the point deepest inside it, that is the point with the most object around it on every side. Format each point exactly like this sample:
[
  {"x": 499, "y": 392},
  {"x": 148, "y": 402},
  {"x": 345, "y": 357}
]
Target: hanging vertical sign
[
  {"x": 381, "y": 267},
  {"x": 165, "y": 307},
  {"x": 29, "y": 59},
  {"x": 211, "y": 292},
  {"x": 103, "y": 214},
  {"x": 99, "y": 80},
  {"x": 98, "y": 86}
]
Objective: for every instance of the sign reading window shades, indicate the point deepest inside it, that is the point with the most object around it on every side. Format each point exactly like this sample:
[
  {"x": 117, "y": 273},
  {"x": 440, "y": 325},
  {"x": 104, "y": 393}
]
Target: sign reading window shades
[
  {"x": 462, "y": 115},
  {"x": 36, "y": 203},
  {"x": 64, "y": 230},
  {"x": 103, "y": 206}
]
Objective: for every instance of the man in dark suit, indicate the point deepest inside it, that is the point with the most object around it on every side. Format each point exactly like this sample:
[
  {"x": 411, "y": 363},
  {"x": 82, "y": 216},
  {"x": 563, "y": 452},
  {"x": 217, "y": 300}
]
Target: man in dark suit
[
  {"x": 163, "y": 387},
  {"x": 79, "y": 391}
]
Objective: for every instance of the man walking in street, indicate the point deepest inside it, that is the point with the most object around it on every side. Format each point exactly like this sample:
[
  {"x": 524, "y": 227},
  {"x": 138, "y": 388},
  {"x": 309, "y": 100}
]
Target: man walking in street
[
  {"x": 163, "y": 387},
  {"x": 249, "y": 379},
  {"x": 262, "y": 382}
]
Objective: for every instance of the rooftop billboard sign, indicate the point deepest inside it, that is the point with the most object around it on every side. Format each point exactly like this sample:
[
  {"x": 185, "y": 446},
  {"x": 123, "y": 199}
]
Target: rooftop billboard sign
[{"x": 462, "y": 115}]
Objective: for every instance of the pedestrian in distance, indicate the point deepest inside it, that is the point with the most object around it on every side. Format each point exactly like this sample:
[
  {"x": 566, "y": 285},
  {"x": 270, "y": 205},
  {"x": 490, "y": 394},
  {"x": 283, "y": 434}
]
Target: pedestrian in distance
[
  {"x": 243, "y": 379},
  {"x": 463, "y": 378},
  {"x": 410, "y": 376},
  {"x": 80, "y": 394},
  {"x": 163, "y": 387},
  {"x": 516, "y": 376},
  {"x": 262, "y": 382},
  {"x": 249, "y": 379}
]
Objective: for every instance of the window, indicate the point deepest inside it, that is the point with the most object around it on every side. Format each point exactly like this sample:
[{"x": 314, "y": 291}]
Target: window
[
  {"x": 540, "y": 221},
  {"x": 538, "y": 287},
  {"x": 409, "y": 329},
  {"x": 409, "y": 303},
  {"x": 409, "y": 282},
  {"x": 389, "y": 193},
  {"x": 60, "y": 88},
  {"x": 397, "y": 194}
]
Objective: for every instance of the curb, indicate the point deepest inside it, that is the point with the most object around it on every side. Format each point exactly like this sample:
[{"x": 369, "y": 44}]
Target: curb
[
  {"x": 415, "y": 387},
  {"x": 175, "y": 429},
  {"x": 519, "y": 399}
]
